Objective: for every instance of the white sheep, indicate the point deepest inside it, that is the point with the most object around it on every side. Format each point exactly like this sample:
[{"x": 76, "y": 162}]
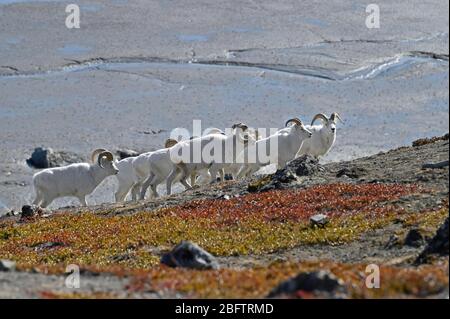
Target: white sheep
[
  {"x": 133, "y": 171},
  {"x": 213, "y": 152},
  {"x": 278, "y": 148},
  {"x": 231, "y": 167},
  {"x": 75, "y": 180},
  {"x": 323, "y": 136}
]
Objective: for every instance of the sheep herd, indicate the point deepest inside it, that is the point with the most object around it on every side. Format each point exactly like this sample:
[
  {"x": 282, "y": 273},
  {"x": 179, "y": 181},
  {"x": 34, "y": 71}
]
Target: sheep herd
[{"x": 240, "y": 152}]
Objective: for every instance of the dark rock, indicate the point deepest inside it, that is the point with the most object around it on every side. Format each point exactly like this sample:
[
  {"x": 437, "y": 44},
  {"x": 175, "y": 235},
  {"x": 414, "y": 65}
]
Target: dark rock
[
  {"x": 320, "y": 283},
  {"x": 31, "y": 211},
  {"x": 319, "y": 220},
  {"x": 414, "y": 238},
  {"x": 47, "y": 245},
  {"x": 284, "y": 176},
  {"x": 352, "y": 172},
  {"x": 228, "y": 177},
  {"x": 306, "y": 165},
  {"x": 438, "y": 245},
  {"x": 303, "y": 166},
  {"x": 47, "y": 157},
  {"x": 189, "y": 255},
  {"x": 436, "y": 165},
  {"x": 125, "y": 153},
  {"x": 7, "y": 265}
]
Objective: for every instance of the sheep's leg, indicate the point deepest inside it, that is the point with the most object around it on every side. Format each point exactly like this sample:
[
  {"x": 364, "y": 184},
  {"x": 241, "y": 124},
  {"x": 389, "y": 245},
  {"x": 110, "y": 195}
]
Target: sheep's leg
[
  {"x": 82, "y": 200},
  {"x": 193, "y": 178},
  {"x": 170, "y": 179},
  {"x": 243, "y": 171},
  {"x": 184, "y": 175},
  {"x": 38, "y": 200},
  {"x": 122, "y": 193},
  {"x": 136, "y": 188},
  {"x": 213, "y": 173},
  {"x": 45, "y": 202},
  {"x": 147, "y": 184},
  {"x": 153, "y": 187}
]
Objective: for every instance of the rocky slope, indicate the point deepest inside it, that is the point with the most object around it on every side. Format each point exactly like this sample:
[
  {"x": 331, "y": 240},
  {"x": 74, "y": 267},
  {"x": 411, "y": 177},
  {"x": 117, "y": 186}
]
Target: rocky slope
[{"x": 383, "y": 210}]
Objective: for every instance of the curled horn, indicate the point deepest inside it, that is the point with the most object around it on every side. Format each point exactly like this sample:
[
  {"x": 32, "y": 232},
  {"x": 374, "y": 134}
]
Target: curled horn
[
  {"x": 95, "y": 153},
  {"x": 109, "y": 156},
  {"x": 170, "y": 142},
  {"x": 335, "y": 116},
  {"x": 241, "y": 125},
  {"x": 320, "y": 116},
  {"x": 295, "y": 120}
]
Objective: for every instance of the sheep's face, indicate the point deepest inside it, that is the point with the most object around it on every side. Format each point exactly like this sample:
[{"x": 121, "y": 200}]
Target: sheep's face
[
  {"x": 331, "y": 127},
  {"x": 304, "y": 132},
  {"x": 110, "y": 166}
]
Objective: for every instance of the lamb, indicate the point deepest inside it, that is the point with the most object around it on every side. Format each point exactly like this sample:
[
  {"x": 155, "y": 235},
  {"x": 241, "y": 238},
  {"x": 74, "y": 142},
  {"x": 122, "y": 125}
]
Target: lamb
[
  {"x": 323, "y": 136},
  {"x": 75, "y": 180},
  {"x": 288, "y": 140}
]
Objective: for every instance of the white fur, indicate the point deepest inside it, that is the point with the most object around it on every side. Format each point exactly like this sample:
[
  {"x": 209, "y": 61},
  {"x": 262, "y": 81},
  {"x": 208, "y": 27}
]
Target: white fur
[{"x": 75, "y": 180}]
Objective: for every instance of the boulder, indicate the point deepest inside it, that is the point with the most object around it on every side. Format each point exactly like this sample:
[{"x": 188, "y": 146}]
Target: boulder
[
  {"x": 319, "y": 220},
  {"x": 31, "y": 211},
  {"x": 303, "y": 166},
  {"x": 306, "y": 165},
  {"x": 7, "y": 265},
  {"x": 414, "y": 238},
  {"x": 125, "y": 153},
  {"x": 189, "y": 255},
  {"x": 438, "y": 245},
  {"x": 47, "y": 157},
  {"x": 352, "y": 172},
  {"x": 436, "y": 165},
  {"x": 318, "y": 283}
]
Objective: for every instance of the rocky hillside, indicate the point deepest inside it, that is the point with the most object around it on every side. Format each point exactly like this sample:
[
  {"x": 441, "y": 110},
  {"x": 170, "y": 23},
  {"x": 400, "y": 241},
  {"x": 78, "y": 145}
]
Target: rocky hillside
[{"x": 308, "y": 231}]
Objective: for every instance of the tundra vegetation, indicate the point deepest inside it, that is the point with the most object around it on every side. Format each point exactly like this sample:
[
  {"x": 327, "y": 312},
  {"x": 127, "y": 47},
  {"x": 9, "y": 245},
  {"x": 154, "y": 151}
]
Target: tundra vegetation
[{"x": 259, "y": 238}]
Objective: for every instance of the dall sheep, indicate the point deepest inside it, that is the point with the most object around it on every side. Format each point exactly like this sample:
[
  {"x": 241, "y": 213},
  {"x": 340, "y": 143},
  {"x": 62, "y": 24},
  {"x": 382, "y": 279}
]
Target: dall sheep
[
  {"x": 75, "y": 180},
  {"x": 220, "y": 149},
  {"x": 133, "y": 171},
  {"x": 323, "y": 136},
  {"x": 288, "y": 140}
]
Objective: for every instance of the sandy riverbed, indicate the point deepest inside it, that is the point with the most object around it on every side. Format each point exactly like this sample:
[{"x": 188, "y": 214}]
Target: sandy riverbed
[{"x": 138, "y": 66}]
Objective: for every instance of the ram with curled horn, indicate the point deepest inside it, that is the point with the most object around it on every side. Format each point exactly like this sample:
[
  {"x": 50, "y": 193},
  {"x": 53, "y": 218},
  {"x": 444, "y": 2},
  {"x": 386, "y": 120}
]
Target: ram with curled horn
[
  {"x": 282, "y": 147},
  {"x": 106, "y": 155},
  {"x": 95, "y": 153},
  {"x": 294, "y": 120},
  {"x": 323, "y": 135},
  {"x": 74, "y": 180},
  {"x": 241, "y": 125},
  {"x": 221, "y": 150}
]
